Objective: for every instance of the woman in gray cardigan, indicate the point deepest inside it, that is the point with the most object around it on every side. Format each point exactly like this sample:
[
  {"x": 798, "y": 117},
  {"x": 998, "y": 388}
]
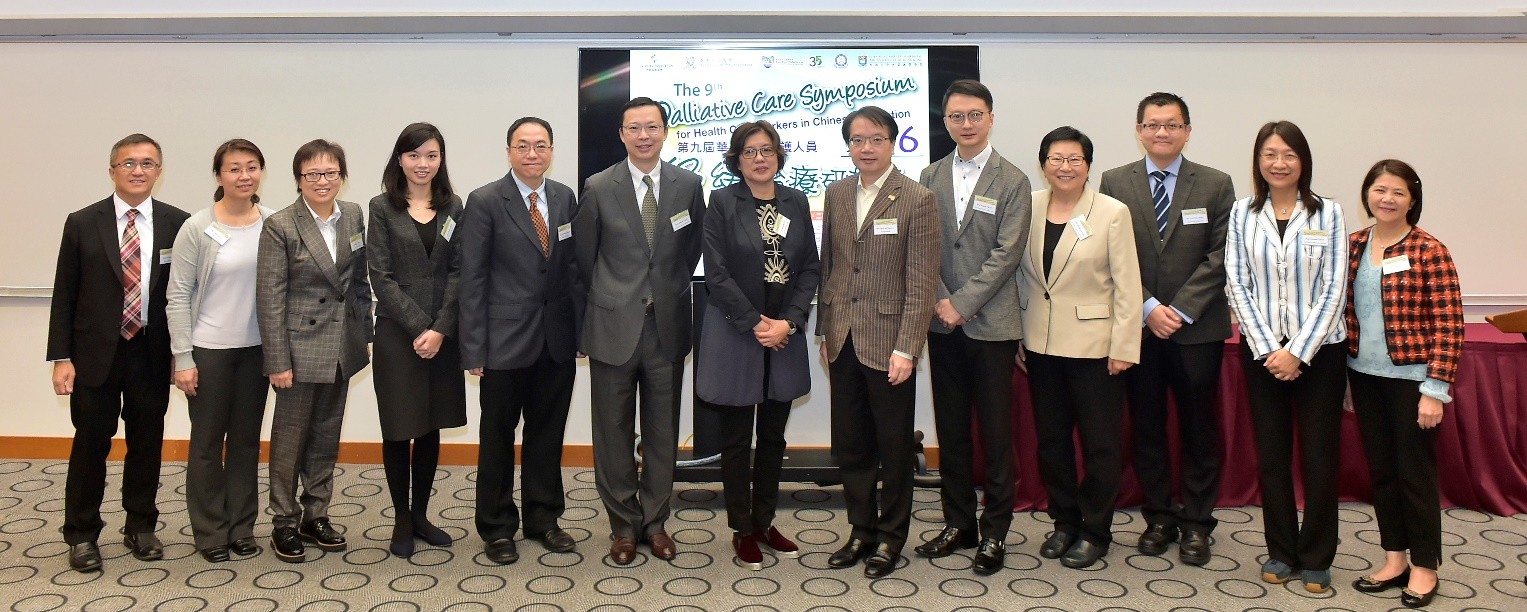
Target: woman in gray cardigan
[
  {"x": 415, "y": 268},
  {"x": 761, "y": 271},
  {"x": 215, "y": 339}
]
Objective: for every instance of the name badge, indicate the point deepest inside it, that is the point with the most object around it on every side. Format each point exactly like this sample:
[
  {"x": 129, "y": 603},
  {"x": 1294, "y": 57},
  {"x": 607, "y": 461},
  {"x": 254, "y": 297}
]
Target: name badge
[
  {"x": 680, "y": 221},
  {"x": 1195, "y": 216},
  {"x": 448, "y": 228},
  {"x": 1081, "y": 227},
  {"x": 166, "y": 255},
  {"x": 986, "y": 205},
  {"x": 1315, "y": 237},
  {"x": 885, "y": 227},
  {"x": 564, "y": 231},
  {"x": 1396, "y": 264},
  {"x": 217, "y": 234},
  {"x": 781, "y": 226},
  {"x": 356, "y": 242}
]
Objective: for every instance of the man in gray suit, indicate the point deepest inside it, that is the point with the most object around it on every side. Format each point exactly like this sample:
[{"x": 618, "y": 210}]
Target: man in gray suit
[
  {"x": 520, "y": 304},
  {"x": 638, "y": 240},
  {"x": 1181, "y": 211},
  {"x": 984, "y": 210}
]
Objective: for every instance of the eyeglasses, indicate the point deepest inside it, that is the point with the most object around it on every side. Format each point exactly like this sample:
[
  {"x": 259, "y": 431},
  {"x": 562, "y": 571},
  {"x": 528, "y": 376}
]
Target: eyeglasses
[
  {"x": 1287, "y": 158},
  {"x": 148, "y": 165},
  {"x": 1057, "y": 161},
  {"x": 975, "y": 117},
  {"x": 635, "y": 130},
  {"x": 312, "y": 177},
  {"x": 238, "y": 171},
  {"x": 751, "y": 153},
  {"x": 1171, "y": 128},
  {"x": 873, "y": 141},
  {"x": 540, "y": 149}
]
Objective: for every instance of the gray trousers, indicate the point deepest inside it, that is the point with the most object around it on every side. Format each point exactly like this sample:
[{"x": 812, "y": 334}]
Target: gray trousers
[
  {"x": 222, "y": 495},
  {"x": 638, "y": 506},
  {"x": 304, "y": 441}
]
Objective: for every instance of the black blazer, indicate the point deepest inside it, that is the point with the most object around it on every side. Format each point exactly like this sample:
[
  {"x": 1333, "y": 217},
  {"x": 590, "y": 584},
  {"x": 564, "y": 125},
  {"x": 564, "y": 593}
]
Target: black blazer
[
  {"x": 86, "y": 320},
  {"x": 514, "y": 301},
  {"x": 417, "y": 291}
]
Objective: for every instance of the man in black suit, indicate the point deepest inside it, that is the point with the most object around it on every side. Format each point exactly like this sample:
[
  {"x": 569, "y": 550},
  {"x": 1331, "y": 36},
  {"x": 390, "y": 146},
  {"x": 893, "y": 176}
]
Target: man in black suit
[
  {"x": 638, "y": 229},
  {"x": 110, "y": 347},
  {"x": 1181, "y": 211},
  {"x": 520, "y": 304}
]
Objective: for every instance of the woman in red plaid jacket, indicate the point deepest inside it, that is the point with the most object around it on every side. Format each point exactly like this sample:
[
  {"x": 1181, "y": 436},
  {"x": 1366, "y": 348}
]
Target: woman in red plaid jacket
[{"x": 1404, "y": 333}]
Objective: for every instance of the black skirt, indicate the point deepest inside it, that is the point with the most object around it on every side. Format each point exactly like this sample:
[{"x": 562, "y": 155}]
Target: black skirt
[{"x": 415, "y": 396}]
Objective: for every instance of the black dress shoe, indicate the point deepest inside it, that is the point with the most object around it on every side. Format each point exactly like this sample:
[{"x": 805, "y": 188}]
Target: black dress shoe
[
  {"x": 216, "y": 554},
  {"x": 427, "y": 531},
  {"x": 1156, "y": 538},
  {"x": 556, "y": 540},
  {"x": 989, "y": 556},
  {"x": 85, "y": 557},
  {"x": 1057, "y": 544},
  {"x": 1412, "y": 599},
  {"x": 145, "y": 546},
  {"x": 287, "y": 544},
  {"x": 502, "y": 551},
  {"x": 1367, "y": 584},
  {"x": 1194, "y": 549},
  {"x": 1083, "y": 554},
  {"x": 850, "y": 554},
  {"x": 882, "y": 563},
  {"x": 946, "y": 542},
  {"x": 323, "y": 535},
  {"x": 244, "y": 547}
]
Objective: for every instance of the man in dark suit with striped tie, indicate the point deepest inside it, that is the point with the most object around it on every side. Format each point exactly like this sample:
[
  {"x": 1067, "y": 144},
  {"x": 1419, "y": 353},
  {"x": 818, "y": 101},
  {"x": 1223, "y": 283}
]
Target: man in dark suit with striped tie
[{"x": 110, "y": 347}]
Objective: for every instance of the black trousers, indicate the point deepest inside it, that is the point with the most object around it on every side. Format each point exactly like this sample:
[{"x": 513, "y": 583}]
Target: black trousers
[
  {"x": 1191, "y": 371},
  {"x": 872, "y": 441},
  {"x": 540, "y": 394},
  {"x": 222, "y": 471},
  {"x": 1311, "y": 407},
  {"x": 1077, "y": 396},
  {"x": 1402, "y": 464},
  {"x": 751, "y": 485},
  {"x": 973, "y": 381},
  {"x": 140, "y": 398}
]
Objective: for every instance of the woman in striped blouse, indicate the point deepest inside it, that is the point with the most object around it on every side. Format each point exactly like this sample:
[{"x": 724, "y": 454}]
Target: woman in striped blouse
[
  {"x": 1404, "y": 298},
  {"x": 1287, "y": 276}
]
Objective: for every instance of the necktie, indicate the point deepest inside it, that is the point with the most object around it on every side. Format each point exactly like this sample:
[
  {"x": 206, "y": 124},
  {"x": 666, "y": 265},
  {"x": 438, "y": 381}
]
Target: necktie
[
  {"x": 132, "y": 274},
  {"x": 540, "y": 222},
  {"x": 1162, "y": 200},
  {"x": 649, "y": 209}
]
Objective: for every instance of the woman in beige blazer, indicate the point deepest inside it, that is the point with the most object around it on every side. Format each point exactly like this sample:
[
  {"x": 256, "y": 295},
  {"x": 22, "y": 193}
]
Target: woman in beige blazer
[{"x": 1080, "y": 295}]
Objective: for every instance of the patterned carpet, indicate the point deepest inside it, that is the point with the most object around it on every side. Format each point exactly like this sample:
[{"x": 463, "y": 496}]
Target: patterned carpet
[{"x": 1486, "y": 557}]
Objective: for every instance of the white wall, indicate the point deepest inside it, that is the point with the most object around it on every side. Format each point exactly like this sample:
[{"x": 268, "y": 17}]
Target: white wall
[{"x": 1452, "y": 109}]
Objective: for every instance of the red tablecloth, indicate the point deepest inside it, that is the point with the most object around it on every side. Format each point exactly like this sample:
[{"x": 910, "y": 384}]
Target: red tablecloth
[{"x": 1481, "y": 444}]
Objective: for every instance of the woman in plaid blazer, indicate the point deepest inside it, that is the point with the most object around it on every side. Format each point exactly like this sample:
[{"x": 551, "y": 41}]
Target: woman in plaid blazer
[{"x": 1404, "y": 332}]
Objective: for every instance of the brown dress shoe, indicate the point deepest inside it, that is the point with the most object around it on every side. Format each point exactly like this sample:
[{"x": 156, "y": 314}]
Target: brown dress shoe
[
  {"x": 662, "y": 546},
  {"x": 622, "y": 550}
]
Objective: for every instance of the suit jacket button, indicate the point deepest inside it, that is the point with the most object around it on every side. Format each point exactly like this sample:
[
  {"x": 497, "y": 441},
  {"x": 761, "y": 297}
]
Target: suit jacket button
[
  {"x": 322, "y": 300},
  {"x": 956, "y": 245},
  {"x": 856, "y": 270},
  {"x": 312, "y": 321},
  {"x": 853, "y": 300},
  {"x": 341, "y": 298}
]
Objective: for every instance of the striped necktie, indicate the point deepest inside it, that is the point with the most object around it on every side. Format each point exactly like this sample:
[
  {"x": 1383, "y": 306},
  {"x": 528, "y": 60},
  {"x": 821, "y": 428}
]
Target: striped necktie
[
  {"x": 649, "y": 208},
  {"x": 540, "y": 222},
  {"x": 132, "y": 275},
  {"x": 1162, "y": 200}
]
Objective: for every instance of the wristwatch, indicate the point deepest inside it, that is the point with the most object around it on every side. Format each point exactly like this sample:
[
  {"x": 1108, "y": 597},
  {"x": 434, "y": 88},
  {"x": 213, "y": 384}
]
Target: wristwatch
[{"x": 792, "y": 328}]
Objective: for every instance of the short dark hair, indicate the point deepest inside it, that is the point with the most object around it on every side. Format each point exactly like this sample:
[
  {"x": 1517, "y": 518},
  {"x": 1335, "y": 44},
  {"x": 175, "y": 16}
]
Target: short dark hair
[
  {"x": 641, "y": 101},
  {"x": 876, "y": 116},
  {"x": 514, "y": 127},
  {"x": 1162, "y": 98},
  {"x": 1065, "y": 133},
  {"x": 236, "y": 145},
  {"x": 1292, "y": 135},
  {"x": 395, "y": 181},
  {"x": 740, "y": 137},
  {"x": 315, "y": 149},
  {"x": 969, "y": 87},
  {"x": 1402, "y": 171},
  {"x": 134, "y": 139}
]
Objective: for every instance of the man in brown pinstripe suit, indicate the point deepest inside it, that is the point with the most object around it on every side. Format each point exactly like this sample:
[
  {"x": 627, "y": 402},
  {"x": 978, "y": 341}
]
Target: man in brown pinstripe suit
[{"x": 880, "y": 265}]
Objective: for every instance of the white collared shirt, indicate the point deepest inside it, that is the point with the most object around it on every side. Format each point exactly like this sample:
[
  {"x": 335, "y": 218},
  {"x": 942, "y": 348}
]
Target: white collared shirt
[
  {"x": 641, "y": 188},
  {"x": 966, "y": 174},
  {"x": 1292, "y": 286},
  {"x": 526, "y": 190},
  {"x": 866, "y": 196},
  {"x": 146, "y": 260},
  {"x": 329, "y": 228}
]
